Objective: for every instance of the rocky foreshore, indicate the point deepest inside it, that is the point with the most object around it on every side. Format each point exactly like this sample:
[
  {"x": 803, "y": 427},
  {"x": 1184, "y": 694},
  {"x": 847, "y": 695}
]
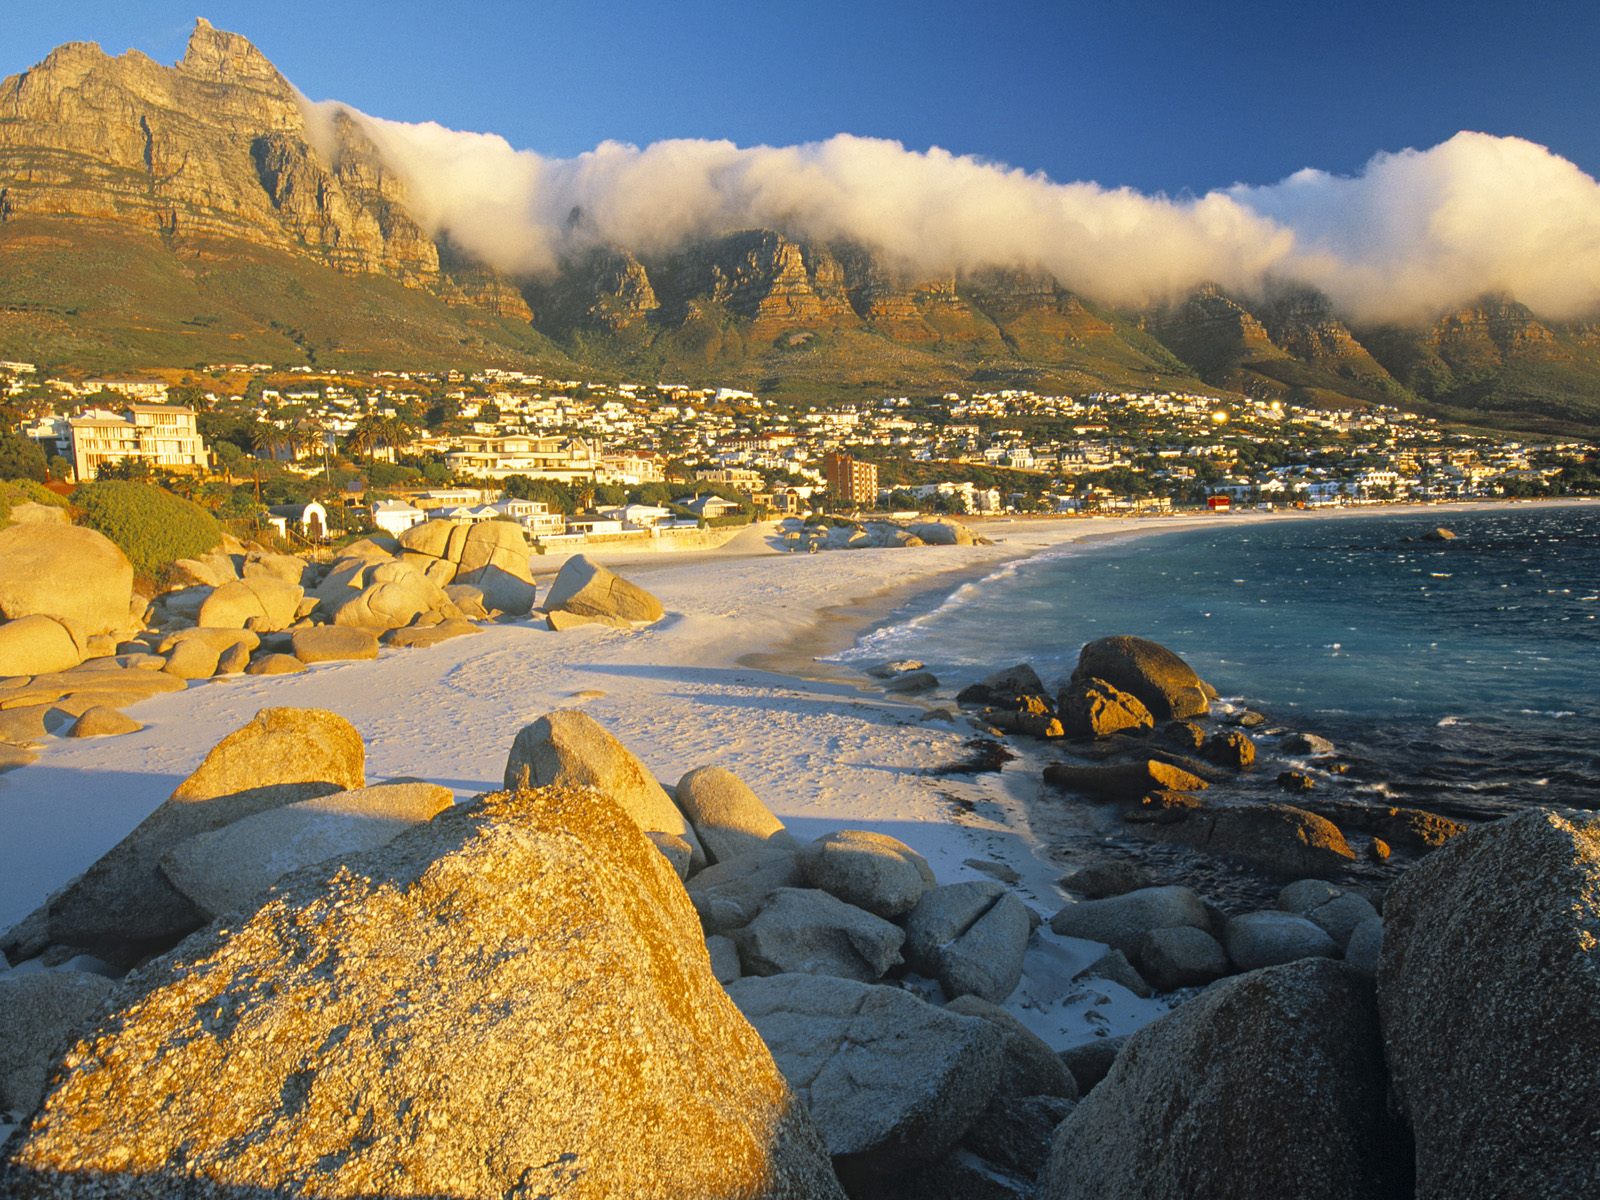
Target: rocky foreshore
[{"x": 593, "y": 983}]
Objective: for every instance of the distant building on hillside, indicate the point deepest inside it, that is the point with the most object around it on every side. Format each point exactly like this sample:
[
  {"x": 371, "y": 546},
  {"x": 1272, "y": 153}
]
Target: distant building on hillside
[
  {"x": 164, "y": 436},
  {"x": 850, "y": 481},
  {"x": 309, "y": 521},
  {"x": 394, "y": 517}
]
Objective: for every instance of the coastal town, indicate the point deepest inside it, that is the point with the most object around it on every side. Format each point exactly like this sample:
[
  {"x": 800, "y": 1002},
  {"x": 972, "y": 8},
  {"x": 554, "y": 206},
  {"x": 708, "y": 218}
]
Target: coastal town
[{"x": 315, "y": 454}]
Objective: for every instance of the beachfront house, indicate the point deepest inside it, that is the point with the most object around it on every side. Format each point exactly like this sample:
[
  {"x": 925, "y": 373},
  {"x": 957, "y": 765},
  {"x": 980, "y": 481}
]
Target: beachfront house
[
  {"x": 394, "y": 517},
  {"x": 708, "y": 508}
]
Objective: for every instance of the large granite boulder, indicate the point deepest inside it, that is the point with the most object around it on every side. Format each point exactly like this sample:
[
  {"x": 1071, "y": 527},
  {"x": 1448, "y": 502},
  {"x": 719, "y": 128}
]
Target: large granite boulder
[
  {"x": 730, "y": 893},
  {"x": 1334, "y": 910},
  {"x": 870, "y": 870},
  {"x": 510, "y": 1000},
  {"x": 263, "y": 602},
  {"x": 1489, "y": 989},
  {"x": 73, "y": 574},
  {"x": 970, "y": 937},
  {"x": 1180, "y": 957},
  {"x": 891, "y": 1081},
  {"x": 36, "y": 645},
  {"x": 1279, "y": 837},
  {"x": 1121, "y": 922},
  {"x": 123, "y": 908},
  {"x": 1269, "y": 939},
  {"x": 41, "y": 1015},
  {"x": 730, "y": 818},
  {"x": 589, "y": 590},
  {"x": 570, "y": 749},
  {"x": 1093, "y": 708},
  {"x": 1265, "y": 1086},
  {"x": 804, "y": 931},
  {"x": 1028, "y": 1066},
  {"x": 333, "y": 643},
  {"x": 225, "y": 869},
  {"x": 395, "y": 595},
  {"x": 494, "y": 559},
  {"x": 1166, "y": 685}
]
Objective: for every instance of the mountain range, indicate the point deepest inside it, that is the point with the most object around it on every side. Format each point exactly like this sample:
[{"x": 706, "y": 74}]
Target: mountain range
[{"x": 184, "y": 215}]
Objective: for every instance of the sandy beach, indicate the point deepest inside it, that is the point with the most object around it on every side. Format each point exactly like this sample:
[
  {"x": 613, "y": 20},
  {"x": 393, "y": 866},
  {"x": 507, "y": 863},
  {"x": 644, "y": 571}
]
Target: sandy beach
[{"x": 729, "y": 677}]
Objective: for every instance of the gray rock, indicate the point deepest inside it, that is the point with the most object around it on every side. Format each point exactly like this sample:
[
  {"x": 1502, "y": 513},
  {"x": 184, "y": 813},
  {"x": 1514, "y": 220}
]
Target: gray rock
[
  {"x": 724, "y": 958},
  {"x": 1265, "y": 1086},
  {"x": 1090, "y": 1061},
  {"x": 568, "y": 748},
  {"x": 729, "y": 894},
  {"x": 1305, "y": 743},
  {"x": 892, "y": 1082},
  {"x": 970, "y": 937},
  {"x": 1489, "y": 989},
  {"x": 225, "y": 870},
  {"x": 122, "y": 908},
  {"x": 806, "y": 931},
  {"x": 1122, "y": 921},
  {"x": 41, "y": 1015},
  {"x": 1029, "y": 1067},
  {"x": 1269, "y": 939},
  {"x": 1337, "y": 914},
  {"x": 729, "y": 818},
  {"x": 1100, "y": 880},
  {"x": 912, "y": 681},
  {"x": 375, "y": 1022},
  {"x": 1365, "y": 948},
  {"x": 1113, "y": 966},
  {"x": 869, "y": 870},
  {"x": 1180, "y": 957},
  {"x": 1015, "y": 1133}
]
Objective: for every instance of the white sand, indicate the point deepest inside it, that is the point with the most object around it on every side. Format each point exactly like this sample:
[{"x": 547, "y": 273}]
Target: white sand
[{"x": 823, "y": 753}]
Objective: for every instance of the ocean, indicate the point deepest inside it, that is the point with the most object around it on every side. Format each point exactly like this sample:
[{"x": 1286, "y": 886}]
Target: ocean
[{"x": 1459, "y": 676}]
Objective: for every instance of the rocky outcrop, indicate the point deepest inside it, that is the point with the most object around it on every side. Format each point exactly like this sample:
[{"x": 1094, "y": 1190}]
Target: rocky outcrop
[
  {"x": 36, "y": 645},
  {"x": 414, "y": 1073},
  {"x": 264, "y": 603},
  {"x": 1279, "y": 837},
  {"x": 1093, "y": 708},
  {"x": 729, "y": 818},
  {"x": 804, "y": 931},
  {"x": 869, "y": 870},
  {"x": 1265, "y": 1086},
  {"x": 1166, "y": 685},
  {"x": 586, "y": 589},
  {"x": 970, "y": 937},
  {"x": 570, "y": 749},
  {"x": 72, "y": 575},
  {"x": 892, "y": 1082},
  {"x": 1489, "y": 989},
  {"x": 491, "y": 556},
  {"x": 123, "y": 908},
  {"x": 333, "y": 643},
  {"x": 730, "y": 893},
  {"x": 1121, "y": 922}
]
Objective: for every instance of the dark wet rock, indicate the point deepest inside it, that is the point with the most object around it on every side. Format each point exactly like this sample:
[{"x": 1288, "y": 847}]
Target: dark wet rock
[
  {"x": 1112, "y": 878},
  {"x": 1166, "y": 685},
  {"x": 1090, "y": 1061},
  {"x": 1277, "y": 837},
  {"x": 1231, "y": 748},
  {"x": 1094, "y": 708},
  {"x": 1305, "y": 743},
  {"x": 1180, "y": 957},
  {"x": 1011, "y": 688},
  {"x": 1122, "y": 781}
]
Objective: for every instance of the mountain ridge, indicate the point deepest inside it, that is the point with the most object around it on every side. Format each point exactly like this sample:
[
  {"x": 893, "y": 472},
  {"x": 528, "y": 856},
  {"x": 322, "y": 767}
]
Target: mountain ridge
[{"x": 202, "y": 212}]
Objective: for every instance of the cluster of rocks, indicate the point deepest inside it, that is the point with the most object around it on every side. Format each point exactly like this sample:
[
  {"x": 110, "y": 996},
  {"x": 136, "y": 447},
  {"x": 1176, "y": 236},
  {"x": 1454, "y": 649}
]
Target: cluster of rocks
[
  {"x": 78, "y": 645},
  {"x": 1139, "y": 723},
  {"x": 880, "y": 535},
  {"x": 520, "y": 995}
]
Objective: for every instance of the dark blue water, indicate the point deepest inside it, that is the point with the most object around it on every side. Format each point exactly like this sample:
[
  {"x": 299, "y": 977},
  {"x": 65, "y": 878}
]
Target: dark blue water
[{"x": 1460, "y": 676}]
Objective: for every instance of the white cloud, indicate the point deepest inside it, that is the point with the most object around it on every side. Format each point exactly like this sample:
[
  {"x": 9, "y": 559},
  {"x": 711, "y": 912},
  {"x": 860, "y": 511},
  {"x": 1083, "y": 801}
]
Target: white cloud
[{"x": 1414, "y": 233}]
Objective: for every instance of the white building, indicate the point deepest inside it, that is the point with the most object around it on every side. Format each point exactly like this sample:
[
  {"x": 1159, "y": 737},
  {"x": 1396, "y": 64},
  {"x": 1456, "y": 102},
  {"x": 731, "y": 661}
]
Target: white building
[
  {"x": 163, "y": 436},
  {"x": 394, "y": 517}
]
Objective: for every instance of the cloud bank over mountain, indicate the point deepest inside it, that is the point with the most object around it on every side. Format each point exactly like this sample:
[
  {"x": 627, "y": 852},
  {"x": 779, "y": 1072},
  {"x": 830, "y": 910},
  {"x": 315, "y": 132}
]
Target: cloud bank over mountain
[{"x": 1413, "y": 234}]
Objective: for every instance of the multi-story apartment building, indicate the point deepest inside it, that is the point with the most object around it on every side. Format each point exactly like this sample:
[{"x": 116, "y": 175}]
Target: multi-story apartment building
[
  {"x": 164, "y": 436},
  {"x": 851, "y": 481},
  {"x": 494, "y": 457}
]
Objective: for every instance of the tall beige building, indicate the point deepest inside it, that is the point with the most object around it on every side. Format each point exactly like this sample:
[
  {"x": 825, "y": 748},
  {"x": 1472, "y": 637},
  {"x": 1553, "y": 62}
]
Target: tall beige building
[
  {"x": 851, "y": 481},
  {"x": 164, "y": 436}
]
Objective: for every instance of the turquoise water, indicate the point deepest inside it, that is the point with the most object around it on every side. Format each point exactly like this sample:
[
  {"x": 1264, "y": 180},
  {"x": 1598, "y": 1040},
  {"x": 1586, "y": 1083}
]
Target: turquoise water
[{"x": 1461, "y": 676}]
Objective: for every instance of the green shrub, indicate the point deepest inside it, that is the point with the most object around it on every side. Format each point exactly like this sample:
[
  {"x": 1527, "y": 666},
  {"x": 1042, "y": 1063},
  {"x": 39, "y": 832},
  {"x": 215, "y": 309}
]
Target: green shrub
[
  {"x": 23, "y": 491},
  {"x": 152, "y": 526},
  {"x": 21, "y": 458}
]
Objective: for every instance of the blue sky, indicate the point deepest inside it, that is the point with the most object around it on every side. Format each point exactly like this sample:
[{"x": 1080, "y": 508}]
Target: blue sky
[{"x": 1177, "y": 97}]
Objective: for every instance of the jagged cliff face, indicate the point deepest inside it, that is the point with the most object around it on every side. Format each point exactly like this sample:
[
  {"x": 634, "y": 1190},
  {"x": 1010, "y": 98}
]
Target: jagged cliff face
[{"x": 215, "y": 148}]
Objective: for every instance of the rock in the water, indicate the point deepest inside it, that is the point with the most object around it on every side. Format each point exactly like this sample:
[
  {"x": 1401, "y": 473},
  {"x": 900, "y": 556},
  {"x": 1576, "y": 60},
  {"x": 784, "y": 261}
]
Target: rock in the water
[
  {"x": 373, "y": 1023},
  {"x": 589, "y": 590},
  {"x": 1231, "y": 748},
  {"x": 805, "y": 931},
  {"x": 1266, "y": 1086},
  {"x": 101, "y": 721},
  {"x": 224, "y": 870},
  {"x": 1113, "y": 878},
  {"x": 729, "y": 818},
  {"x": 1123, "y": 781},
  {"x": 970, "y": 937},
  {"x": 1278, "y": 837},
  {"x": 1269, "y": 939},
  {"x": 911, "y": 682},
  {"x": 1440, "y": 534},
  {"x": 122, "y": 908},
  {"x": 570, "y": 749},
  {"x": 1093, "y": 708},
  {"x": 1091, "y": 1061},
  {"x": 1489, "y": 988},
  {"x": 1306, "y": 743},
  {"x": 1162, "y": 681},
  {"x": 729, "y": 894},
  {"x": 869, "y": 870},
  {"x": 41, "y": 1015},
  {"x": 333, "y": 643},
  {"x": 1029, "y": 1067},
  {"x": 1122, "y": 921},
  {"x": 1180, "y": 957},
  {"x": 75, "y": 575},
  {"x": 35, "y": 645},
  {"x": 892, "y": 1082},
  {"x": 1003, "y": 689}
]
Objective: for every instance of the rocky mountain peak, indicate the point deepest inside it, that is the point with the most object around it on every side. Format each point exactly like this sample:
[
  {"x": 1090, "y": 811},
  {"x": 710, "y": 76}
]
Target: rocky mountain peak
[{"x": 217, "y": 56}]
